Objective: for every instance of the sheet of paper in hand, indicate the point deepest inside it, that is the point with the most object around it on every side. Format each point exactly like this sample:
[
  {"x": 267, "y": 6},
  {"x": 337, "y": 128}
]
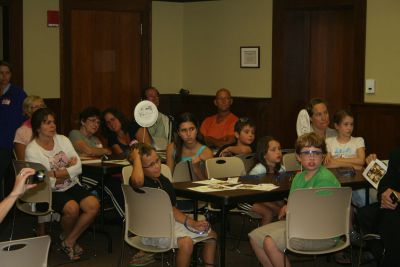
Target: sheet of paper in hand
[{"x": 374, "y": 172}]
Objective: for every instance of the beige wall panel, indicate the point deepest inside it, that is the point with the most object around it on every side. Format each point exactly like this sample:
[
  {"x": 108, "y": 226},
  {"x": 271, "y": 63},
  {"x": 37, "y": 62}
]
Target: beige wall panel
[
  {"x": 167, "y": 19},
  {"x": 41, "y": 48},
  {"x": 383, "y": 50},
  {"x": 212, "y": 35}
]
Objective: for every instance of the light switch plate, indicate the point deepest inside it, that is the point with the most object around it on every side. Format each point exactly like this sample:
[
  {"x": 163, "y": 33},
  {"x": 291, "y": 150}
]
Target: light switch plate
[{"x": 370, "y": 86}]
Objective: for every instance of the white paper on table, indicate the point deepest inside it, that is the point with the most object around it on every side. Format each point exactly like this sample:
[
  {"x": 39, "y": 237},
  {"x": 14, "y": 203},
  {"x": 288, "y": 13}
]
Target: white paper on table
[
  {"x": 211, "y": 188},
  {"x": 88, "y": 161},
  {"x": 230, "y": 181},
  {"x": 261, "y": 187},
  {"x": 118, "y": 161}
]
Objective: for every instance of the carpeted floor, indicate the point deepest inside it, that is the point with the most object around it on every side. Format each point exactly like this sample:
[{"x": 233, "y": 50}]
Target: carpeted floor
[{"x": 96, "y": 254}]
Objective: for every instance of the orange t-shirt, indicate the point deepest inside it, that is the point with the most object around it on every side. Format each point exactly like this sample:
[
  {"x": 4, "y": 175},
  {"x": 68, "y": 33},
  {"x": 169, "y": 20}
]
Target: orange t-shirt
[{"x": 210, "y": 127}]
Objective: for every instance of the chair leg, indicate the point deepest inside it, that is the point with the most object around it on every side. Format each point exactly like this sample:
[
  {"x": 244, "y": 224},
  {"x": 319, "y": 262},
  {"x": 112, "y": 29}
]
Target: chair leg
[
  {"x": 121, "y": 257},
  {"x": 284, "y": 257},
  {"x": 237, "y": 245}
]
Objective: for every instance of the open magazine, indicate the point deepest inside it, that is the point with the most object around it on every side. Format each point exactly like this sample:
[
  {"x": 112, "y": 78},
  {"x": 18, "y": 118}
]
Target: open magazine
[{"x": 374, "y": 172}]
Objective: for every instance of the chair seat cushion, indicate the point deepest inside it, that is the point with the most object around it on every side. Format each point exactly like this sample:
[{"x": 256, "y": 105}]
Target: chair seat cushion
[{"x": 312, "y": 244}]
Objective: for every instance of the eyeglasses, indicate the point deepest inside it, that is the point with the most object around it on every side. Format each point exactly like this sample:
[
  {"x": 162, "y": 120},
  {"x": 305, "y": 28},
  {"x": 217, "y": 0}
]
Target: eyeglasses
[
  {"x": 96, "y": 121},
  {"x": 153, "y": 164},
  {"x": 311, "y": 153}
]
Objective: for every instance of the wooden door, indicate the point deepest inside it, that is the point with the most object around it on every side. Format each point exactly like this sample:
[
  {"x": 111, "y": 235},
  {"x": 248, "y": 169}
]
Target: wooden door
[
  {"x": 106, "y": 56},
  {"x": 318, "y": 51}
]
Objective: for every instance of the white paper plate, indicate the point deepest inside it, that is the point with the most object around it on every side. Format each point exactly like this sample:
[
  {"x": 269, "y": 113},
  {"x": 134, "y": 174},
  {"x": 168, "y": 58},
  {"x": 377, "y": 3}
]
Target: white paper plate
[
  {"x": 303, "y": 123},
  {"x": 145, "y": 113}
]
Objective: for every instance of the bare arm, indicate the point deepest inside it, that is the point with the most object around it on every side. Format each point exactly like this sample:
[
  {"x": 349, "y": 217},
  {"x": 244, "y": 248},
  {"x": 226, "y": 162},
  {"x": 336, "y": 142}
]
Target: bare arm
[
  {"x": 235, "y": 150},
  {"x": 370, "y": 158},
  {"x": 356, "y": 162},
  {"x": 137, "y": 175},
  {"x": 83, "y": 148},
  {"x": 20, "y": 187},
  {"x": 170, "y": 157},
  {"x": 181, "y": 217},
  {"x": 206, "y": 154},
  {"x": 116, "y": 149},
  {"x": 214, "y": 142},
  {"x": 330, "y": 162},
  {"x": 20, "y": 151}
]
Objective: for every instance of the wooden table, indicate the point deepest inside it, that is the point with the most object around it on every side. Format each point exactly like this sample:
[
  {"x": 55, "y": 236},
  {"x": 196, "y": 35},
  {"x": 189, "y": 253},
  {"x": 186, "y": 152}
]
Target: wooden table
[{"x": 228, "y": 199}]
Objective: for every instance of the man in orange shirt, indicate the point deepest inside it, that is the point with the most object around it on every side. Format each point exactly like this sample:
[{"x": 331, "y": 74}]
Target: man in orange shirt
[{"x": 218, "y": 129}]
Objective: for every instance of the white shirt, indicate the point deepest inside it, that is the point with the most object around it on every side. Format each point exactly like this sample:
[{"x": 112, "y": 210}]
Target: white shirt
[
  {"x": 347, "y": 150},
  {"x": 56, "y": 159}
]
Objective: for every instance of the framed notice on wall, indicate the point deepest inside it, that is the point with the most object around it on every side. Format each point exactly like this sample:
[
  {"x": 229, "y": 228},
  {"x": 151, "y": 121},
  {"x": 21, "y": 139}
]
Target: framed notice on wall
[{"x": 249, "y": 56}]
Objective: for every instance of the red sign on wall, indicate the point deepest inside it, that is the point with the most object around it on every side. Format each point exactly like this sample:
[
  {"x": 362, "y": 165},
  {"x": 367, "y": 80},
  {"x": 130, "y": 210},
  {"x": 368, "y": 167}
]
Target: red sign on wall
[{"x": 53, "y": 18}]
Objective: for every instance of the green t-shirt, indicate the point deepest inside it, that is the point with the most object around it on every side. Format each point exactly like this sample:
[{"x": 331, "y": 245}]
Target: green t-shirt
[{"x": 322, "y": 178}]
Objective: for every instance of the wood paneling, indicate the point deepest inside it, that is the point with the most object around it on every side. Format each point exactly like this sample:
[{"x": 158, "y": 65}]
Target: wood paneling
[
  {"x": 315, "y": 55},
  {"x": 105, "y": 55},
  {"x": 13, "y": 33},
  {"x": 258, "y": 109},
  {"x": 376, "y": 123},
  {"x": 379, "y": 125}
]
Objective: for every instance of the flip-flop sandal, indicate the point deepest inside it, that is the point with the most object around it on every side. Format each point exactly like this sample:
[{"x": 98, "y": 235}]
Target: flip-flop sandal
[
  {"x": 142, "y": 254},
  {"x": 69, "y": 252},
  {"x": 141, "y": 261},
  {"x": 77, "y": 248}
]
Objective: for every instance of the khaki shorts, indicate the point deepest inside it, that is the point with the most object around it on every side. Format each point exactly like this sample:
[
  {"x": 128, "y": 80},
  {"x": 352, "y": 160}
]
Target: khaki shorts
[{"x": 277, "y": 231}]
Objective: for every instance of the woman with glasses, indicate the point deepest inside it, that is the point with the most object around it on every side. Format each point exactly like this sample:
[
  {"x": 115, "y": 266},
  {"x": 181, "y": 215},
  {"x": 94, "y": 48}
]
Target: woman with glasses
[
  {"x": 84, "y": 140},
  {"x": 63, "y": 165},
  {"x": 86, "y": 143},
  {"x": 188, "y": 145},
  {"x": 23, "y": 134}
]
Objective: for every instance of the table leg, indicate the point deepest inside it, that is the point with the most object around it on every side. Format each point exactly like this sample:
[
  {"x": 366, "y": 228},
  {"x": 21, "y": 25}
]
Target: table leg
[
  {"x": 222, "y": 236},
  {"x": 102, "y": 230},
  {"x": 367, "y": 196}
]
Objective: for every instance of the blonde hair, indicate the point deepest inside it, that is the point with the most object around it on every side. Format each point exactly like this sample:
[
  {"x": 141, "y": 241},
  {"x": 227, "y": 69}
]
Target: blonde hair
[{"x": 26, "y": 105}]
